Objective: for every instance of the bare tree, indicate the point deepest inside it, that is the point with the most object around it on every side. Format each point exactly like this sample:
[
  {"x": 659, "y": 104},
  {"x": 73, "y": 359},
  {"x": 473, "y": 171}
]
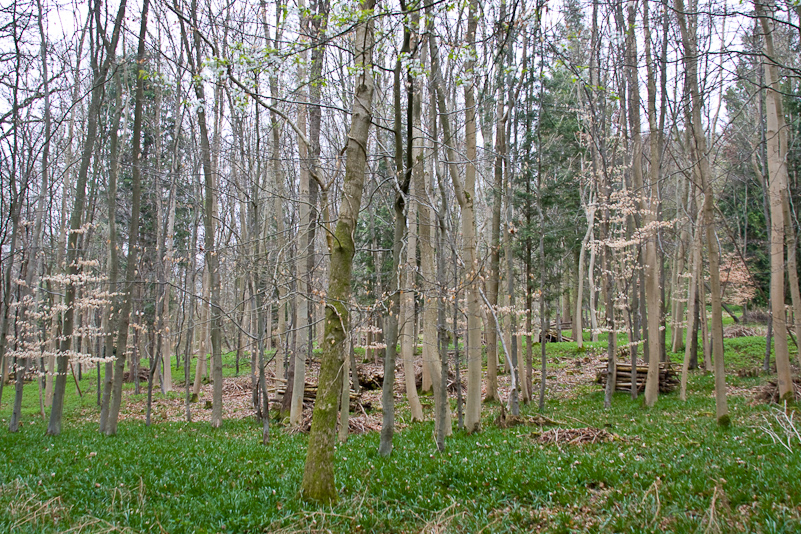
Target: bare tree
[
  {"x": 318, "y": 474},
  {"x": 100, "y": 67}
]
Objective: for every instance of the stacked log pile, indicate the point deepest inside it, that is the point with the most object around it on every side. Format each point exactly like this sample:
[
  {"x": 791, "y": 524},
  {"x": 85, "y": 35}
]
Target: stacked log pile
[
  {"x": 668, "y": 377},
  {"x": 452, "y": 388},
  {"x": 370, "y": 377},
  {"x": 143, "y": 373},
  {"x": 309, "y": 391},
  {"x": 551, "y": 336},
  {"x": 738, "y": 330}
]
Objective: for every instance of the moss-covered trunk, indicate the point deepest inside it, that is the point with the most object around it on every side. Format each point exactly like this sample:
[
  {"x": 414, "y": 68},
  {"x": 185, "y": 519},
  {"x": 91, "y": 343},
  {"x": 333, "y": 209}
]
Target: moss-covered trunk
[{"x": 318, "y": 475}]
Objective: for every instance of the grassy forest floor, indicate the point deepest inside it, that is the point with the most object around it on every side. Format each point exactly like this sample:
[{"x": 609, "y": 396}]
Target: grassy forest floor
[{"x": 669, "y": 468}]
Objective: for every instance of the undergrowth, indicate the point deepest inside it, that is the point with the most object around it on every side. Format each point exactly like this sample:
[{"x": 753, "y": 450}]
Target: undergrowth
[{"x": 672, "y": 469}]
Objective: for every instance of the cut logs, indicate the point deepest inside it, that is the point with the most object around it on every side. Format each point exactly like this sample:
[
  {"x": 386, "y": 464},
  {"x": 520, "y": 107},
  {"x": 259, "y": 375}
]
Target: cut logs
[
  {"x": 370, "y": 377},
  {"x": 144, "y": 374},
  {"x": 309, "y": 391},
  {"x": 668, "y": 377},
  {"x": 418, "y": 377},
  {"x": 552, "y": 336}
]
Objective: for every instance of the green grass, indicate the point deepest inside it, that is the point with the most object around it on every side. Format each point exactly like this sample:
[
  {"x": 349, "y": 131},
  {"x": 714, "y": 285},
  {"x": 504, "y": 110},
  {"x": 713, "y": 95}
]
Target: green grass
[{"x": 675, "y": 470}]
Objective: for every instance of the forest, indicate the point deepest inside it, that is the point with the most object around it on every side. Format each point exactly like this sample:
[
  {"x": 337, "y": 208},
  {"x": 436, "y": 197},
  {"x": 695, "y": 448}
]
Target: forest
[{"x": 427, "y": 266}]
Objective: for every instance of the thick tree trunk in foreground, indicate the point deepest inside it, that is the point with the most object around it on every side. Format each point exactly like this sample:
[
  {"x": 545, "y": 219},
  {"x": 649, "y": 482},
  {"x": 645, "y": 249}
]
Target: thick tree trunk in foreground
[{"x": 318, "y": 475}]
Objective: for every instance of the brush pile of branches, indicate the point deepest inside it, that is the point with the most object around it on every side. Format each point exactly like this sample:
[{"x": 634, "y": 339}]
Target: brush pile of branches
[
  {"x": 769, "y": 393},
  {"x": 575, "y": 436},
  {"x": 738, "y": 330}
]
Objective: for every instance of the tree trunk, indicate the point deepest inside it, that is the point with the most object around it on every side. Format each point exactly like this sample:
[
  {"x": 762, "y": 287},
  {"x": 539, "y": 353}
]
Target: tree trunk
[
  {"x": 94, "y": 113},
  {"x": 652, "y": 267},
  {"x": 202, "y": 353},
  {"x": 408, "y": 343},
  {"x": 112, "y": 262},
  {"x": 792, "y": 271},
  {"x": 589, "y": 211},
  {"x": 701, "y": 157},
  {"x": 318, "y": 475},
  {"x": 29, "y": 302},
  {"x": 428, "y": 274},
  {"x": 514, "y": 364},
  {"x": 344, "y": 398},
  {"x": 166, "y": 384},
  {"x": 692, "y": 311},
  {"x": 303, "y": 242},
  {"x": 403, "y": 180},
  {"x": 495, "y": 232},
  {"x": 678, "y": 322},
  {"x": 465, "y": 195},
  {"x": 776, "y": 136}
]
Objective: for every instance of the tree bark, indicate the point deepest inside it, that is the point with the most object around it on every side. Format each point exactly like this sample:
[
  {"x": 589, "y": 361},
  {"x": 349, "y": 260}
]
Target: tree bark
[
  {"x": 776, "y": 136},
  {"x": 692, "y": 311},
  {"x": 653, "y": 265},
  {"x": 408, "y": 343},
  {"x": 465, "y": 195},
  {"x": 203, "y": 349},
  {"x": 589, "y": 211},
  {"x": 113, "y": 261},
  {"x": 27, "y": 299},
  {"x": 318, "y": 475},
  {"x": 403, "y": 179},
  {"x": 304, "y": 240},
  {"x": 701, "y": 157},
  {"x": 495, "y": 231},
  {"x": 100, "y": 75}
]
